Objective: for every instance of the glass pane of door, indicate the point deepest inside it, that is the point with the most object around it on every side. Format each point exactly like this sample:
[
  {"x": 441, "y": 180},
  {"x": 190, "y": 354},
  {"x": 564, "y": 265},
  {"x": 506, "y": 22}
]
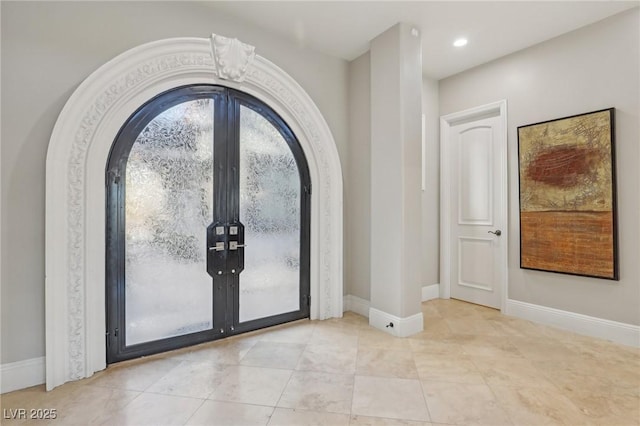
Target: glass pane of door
[
  {"x": 168, "y": 205},
  {"x": 270, "y": 211}
]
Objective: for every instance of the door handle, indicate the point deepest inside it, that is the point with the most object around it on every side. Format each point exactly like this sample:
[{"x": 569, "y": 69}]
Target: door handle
[
  {"x": 218, "y": 247},
  {"x": 233, "y": 245},
  {"x": 497, "y": 232}
]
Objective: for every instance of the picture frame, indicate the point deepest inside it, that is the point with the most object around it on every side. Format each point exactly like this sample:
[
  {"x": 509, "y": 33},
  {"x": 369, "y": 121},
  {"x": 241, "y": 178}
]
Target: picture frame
[{"x": 567, "y": 191}]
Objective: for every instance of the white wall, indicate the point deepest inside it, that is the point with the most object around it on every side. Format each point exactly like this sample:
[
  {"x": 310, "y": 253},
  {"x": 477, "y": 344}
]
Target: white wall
[
  {"x": 431, "y": 193},
  {"x": 358, "y": 188},
  {"x": 593, "y": 68},
  {"x": 47, "y": 49}
]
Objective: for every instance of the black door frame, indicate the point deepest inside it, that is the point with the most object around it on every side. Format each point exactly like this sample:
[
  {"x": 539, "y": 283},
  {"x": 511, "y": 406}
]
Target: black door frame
[{"x": 226, "y": 289}]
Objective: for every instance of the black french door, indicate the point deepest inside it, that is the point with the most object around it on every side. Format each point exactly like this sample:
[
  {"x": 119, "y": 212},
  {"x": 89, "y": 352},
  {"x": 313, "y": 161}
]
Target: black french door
[{"x": 208, "y": 220}]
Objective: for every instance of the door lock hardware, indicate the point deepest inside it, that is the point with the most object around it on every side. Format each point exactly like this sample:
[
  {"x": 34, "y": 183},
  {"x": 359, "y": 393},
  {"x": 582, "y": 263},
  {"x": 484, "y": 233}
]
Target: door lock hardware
[
  {"x": 218, "y": 247},
  {"x": 233, "y": 245},
  {"x": 496, "y": 232}
]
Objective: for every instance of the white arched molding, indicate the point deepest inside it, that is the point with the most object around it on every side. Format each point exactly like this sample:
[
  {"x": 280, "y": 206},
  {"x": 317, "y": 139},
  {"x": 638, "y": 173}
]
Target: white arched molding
[{"x": 75, "y": 186}]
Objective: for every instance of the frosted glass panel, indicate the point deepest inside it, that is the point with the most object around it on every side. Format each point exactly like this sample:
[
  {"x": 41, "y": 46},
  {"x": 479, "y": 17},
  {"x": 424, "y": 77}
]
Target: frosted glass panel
[
  {"x": 270, "y": 212},
  {"x": 169, "y": 203}
]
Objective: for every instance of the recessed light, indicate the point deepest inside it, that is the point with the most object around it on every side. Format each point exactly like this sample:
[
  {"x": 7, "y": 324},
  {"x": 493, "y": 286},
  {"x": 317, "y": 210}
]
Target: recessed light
[{"x": 460, "y": 42}]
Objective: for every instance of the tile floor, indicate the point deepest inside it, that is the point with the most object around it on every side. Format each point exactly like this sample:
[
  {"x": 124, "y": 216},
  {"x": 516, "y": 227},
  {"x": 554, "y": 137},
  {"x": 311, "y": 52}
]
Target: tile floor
[{"x": 470, "y": 366}]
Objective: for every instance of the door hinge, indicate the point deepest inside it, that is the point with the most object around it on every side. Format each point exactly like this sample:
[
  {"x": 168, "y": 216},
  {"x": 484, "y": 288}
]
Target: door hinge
[
  {"x": 308, "y": 297},
  {"x": 307, "y": 189}
]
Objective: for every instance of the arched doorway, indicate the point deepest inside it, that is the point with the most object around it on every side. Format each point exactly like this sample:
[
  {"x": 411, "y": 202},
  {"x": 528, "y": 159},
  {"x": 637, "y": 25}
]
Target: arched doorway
[
  {"x": 208, "y": 208},
  {"x": 76, "y": 193}
]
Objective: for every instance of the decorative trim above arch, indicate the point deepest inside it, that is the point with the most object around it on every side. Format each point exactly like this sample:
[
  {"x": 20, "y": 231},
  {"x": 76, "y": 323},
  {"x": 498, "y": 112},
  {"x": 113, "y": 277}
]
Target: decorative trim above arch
[{"x": 75, "y": 186}]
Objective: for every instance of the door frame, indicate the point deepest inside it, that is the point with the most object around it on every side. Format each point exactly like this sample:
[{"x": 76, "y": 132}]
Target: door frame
[
  {"x": 498, "y": 108},
  {"x": 75, "y": 188}
]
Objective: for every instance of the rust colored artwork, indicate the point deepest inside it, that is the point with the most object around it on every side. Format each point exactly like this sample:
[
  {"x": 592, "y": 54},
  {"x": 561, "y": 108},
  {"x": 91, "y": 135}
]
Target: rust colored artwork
[{"x": 567, "y": 195}]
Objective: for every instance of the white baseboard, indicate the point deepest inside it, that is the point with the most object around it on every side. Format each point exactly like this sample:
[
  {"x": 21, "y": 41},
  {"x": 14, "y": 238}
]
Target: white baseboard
[
  {"x": 618, "y": 332},
  {"x": 402, "y": 327},
  {"x": 22, "y": 374},
  {"x": 361, "y": 306},
  {"x": 430, "y": 292},
  {"x": 355, "y": 304}
]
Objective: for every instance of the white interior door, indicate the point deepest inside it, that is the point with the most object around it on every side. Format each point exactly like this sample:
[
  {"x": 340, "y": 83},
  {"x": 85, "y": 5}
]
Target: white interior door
[{"x": 477, "y": 244}]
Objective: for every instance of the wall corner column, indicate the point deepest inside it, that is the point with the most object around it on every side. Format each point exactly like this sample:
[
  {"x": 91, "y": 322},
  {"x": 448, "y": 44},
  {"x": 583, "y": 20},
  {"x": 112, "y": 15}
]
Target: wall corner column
[{"x": 396, "y": 171}]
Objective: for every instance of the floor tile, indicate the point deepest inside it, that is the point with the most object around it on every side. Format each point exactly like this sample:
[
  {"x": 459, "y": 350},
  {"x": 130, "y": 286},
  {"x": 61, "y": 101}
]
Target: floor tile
[
  {"x": 455, "y": 309},
  {"x": 217, "y": 413},
  {"x": 510, "y": 372},
  {"x": 621, "y": 374},
  {"x": 429, "y": 311},
  {"x": 538, "y": 406},
  {"x": 537, "y": 349},
  {"x": 447, "y": 368},
  {"x": 252, "y": 385},
  {"x": 380, "y": 421},
  {"x": 373, "y": 338},
  {"x": 92, "y": 405},
  {"x": 553, "y": 333},
  {"x": 513, "y": 327},
  {"x": 220, "y": 352},
  {"x": 433, "y": 327},
  {"x": 389, "y": 398},
  {"x": 190, "y": 379},
  {"x": 573, "y": 375},
  {"x": 349, "y": 320},
  {"x": 329, "y": 359},
  {"x": 436, "y": 345},
  {"x": 488, "y": 346},
  {"x": 608, "y": 406},
  {"x": 74, "y": 404},
  {"x": 135, "y": 375},
  {"x": 606, "y": 399},
  {"x": 273, "y": 355},
  {"x": 300, "y": 332},
  {"x": 287, "y": 417},
  {"x": 608, "y": 352},
  {"x": 315, "y": 391},
  {"x": 335, "y": 336},
  {"x": 155, "y": 410},
  {"x": 33, "y": 397},
  {"x": 473, "y": 325},
  {"x": 386, "y": 363},
  {"x": 463, "y": 404}
]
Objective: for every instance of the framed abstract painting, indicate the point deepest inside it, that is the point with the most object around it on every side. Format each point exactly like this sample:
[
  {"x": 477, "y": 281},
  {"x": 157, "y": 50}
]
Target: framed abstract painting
[{"x": 568, "y": 220}]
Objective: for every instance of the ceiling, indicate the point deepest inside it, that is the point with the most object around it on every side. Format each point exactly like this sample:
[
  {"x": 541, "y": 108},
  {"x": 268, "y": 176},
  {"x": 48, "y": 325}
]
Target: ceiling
[{"x": 494, "y": 29}]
